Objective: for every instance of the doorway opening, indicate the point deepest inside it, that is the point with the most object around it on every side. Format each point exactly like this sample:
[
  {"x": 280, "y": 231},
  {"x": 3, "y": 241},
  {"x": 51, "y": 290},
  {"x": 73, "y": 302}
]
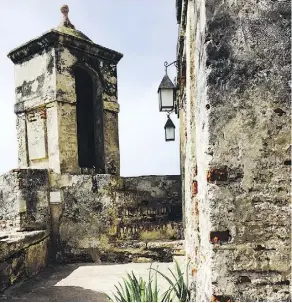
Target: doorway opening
[{"x": 89, "y": 122}]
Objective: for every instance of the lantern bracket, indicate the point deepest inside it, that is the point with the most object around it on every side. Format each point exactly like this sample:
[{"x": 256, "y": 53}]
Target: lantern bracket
[{"x": 166, "y": 65}]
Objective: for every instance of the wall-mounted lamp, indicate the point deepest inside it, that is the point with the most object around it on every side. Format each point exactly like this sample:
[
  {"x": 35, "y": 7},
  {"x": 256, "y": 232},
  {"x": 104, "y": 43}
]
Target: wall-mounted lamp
[
  {"x": 169, "y": 130},
  {"x": 166, "y": 96}
]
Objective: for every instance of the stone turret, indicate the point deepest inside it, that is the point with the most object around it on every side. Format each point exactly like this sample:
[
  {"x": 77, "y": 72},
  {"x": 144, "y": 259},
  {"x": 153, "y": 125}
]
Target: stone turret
[{"x": 66, "y": 102}]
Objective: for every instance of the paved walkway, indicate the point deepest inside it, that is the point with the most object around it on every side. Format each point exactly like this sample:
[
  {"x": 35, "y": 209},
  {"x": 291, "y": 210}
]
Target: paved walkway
[{"x": 79, "y": 282}]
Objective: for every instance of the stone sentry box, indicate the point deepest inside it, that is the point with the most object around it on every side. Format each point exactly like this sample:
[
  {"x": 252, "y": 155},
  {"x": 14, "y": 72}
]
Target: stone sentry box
[{"x": 66, "y": 104}]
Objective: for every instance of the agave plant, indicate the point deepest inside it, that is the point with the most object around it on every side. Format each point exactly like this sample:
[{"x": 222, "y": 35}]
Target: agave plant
[
  {"x": 179, "y": 287},
  {"x": 135, "y": 289}
]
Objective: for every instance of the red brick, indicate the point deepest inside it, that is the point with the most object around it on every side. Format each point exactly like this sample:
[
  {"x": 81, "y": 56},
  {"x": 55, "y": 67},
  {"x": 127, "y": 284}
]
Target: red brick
[
  {"x": 195, "y": 188},
  {"x": 216, "y": 174}
]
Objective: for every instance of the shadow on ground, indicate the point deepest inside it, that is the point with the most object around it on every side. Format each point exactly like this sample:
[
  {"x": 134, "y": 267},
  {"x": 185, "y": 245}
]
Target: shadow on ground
[
  {"x": 81, "y": 282},
  {"x": 42, "y": 288}
]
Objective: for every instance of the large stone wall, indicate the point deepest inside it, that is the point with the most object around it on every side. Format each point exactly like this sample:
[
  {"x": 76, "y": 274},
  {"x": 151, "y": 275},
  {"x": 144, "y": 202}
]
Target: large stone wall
[
  {"x": 240, "y": 209},
  {"x": 95, "y": 218},
  {"x": 189, "y": 123},
  {"x": 98, "y": 214}
]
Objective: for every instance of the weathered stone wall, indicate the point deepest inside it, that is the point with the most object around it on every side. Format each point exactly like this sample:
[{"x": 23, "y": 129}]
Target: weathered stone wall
[
  {"x": 92, "y": 217},
  {"x": 242, "y": 115},
  {"x": 35, "y": 82},
  {"x": 22, "y": 255},
  {"x": 104, "y": 75},
  {"x": 153, "y": 208},
  {"x": 189, "y": 146},
  {"x": 24, "y": 203},
  {"x": 87, "y": 218},
  {"x": 102, "y": 212},
  {"x": 9, "y": 208}
]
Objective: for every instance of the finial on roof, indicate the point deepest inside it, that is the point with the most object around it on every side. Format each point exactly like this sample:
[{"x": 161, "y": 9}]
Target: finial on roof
[{"x": 66, "y": 22}]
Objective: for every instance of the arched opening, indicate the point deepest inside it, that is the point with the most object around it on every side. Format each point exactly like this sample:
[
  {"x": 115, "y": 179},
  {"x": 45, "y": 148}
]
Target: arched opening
[{"x": 89, "y": 122}]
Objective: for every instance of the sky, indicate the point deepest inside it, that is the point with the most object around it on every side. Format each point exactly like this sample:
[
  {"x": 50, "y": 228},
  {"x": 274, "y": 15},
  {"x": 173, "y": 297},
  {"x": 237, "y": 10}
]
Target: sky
[{"x": 144, "y": 31}]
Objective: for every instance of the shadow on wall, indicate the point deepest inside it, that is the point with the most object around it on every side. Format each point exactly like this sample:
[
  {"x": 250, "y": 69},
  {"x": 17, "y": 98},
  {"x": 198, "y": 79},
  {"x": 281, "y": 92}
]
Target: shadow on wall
[{"x": 42, "y": 288}]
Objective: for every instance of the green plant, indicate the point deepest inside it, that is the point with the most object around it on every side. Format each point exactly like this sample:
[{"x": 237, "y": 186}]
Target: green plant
[
  {"x": 179, "y": 287},
  {"x": 135, "y": 289}
]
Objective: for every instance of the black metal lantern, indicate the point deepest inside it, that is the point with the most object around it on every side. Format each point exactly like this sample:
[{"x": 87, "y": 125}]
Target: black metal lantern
[
  {"x": 169, "y": 130},
  {"x": 166, "y": 95}
]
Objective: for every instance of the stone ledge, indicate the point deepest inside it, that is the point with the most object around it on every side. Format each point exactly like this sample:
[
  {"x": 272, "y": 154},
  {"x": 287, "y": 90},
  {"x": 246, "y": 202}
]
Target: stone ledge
[
  {"x": 175, "y": 245},
  {"x": 172, "y": 244},
  {"x": 23, "y": 255},
  {"x": 53, "y": 38},
  {"x": 15, "y": 241}
]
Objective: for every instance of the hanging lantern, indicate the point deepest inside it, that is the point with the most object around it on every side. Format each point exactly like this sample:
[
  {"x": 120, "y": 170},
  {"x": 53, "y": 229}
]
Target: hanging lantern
[
  {"x": 169, "y": 130},
  {"x": 166, "y": 95}
]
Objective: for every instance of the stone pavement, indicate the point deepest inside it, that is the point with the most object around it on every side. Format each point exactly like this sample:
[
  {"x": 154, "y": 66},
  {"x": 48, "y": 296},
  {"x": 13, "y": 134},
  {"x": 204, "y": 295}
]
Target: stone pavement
[{"x": 79, "y": 282}]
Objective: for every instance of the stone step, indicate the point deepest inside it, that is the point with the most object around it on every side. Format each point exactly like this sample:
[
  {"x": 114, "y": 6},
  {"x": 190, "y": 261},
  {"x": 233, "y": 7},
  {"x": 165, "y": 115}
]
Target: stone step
[
  {"x": 174, "y": 244},
  {"x": 156, "y": 251}
]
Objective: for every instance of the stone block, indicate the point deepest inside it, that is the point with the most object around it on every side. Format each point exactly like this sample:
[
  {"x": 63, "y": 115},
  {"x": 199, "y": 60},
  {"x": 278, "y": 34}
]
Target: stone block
[
  {"x": 36, "y": 136},
  {"x": 195, "y": 188},
  {"x": 55, "y": 197},
  {"x": 4, "y": 276},
  {"x": 12, "y": 270},
  {"x": 22, "y": 255},
  {"x": 9, "y": 206},
  {"x": 16, "y": 241},
  {"x": 217, "y": 175},
  {"x": 142, "y": 260},
  {"x": 36, "y": 257},
  {"x": 33, "y": 199}
]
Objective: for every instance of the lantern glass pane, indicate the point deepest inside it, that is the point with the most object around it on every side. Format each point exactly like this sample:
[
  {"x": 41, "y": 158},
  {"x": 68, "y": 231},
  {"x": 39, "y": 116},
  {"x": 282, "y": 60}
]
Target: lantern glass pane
[
  {"x": 159, "y": 100},
  {"x": 169, "y": 134},
  {"x": 167, "y": 101}
]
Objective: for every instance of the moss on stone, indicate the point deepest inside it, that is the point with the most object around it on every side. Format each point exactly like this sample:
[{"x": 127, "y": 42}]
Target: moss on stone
[{"x": 72, "y": 32}]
